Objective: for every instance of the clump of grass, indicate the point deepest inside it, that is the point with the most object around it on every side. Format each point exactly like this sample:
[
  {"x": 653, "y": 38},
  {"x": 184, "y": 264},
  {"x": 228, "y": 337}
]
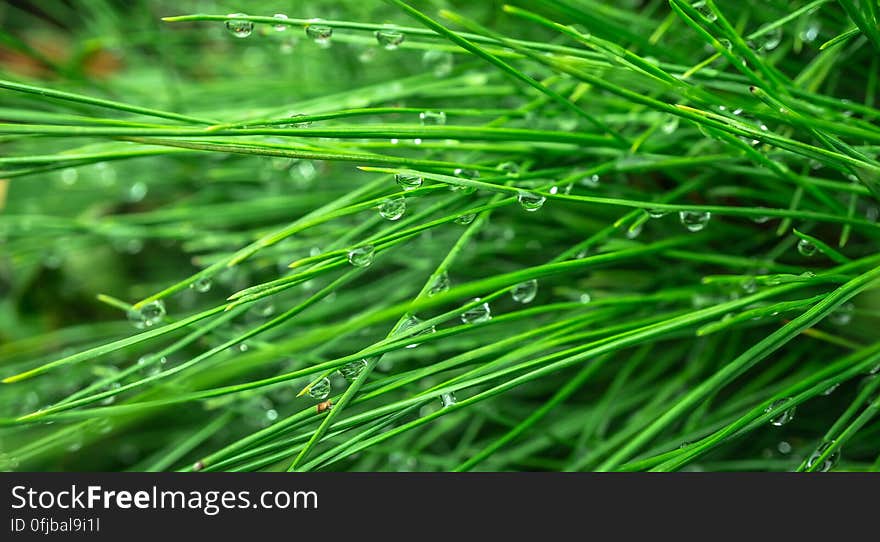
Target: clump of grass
[{"x": 565, "y": 235}]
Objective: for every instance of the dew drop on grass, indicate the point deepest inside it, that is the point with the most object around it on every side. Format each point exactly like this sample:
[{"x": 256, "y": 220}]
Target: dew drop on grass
[
  {"x": 590, "y": 181},
  {"x": 830, "y": 389},
  {"x": 441, "y": 284},
  {"x": 704, "y": 10},
  {"x": 439, "y": 63},
  {"x": 201, "y": 284},
  {"x": 407, "y": 181},
  {"x": 508, "y": 168},
  {"x": 670, "y": 125},
  {"x": 148, "y": 315},
  {"x": 361, "y": 256},
  {"x": 447, "y": 399},
  {"x": 320, "y": 389},
  {"x": 392, "y": 208},
  {"x": 525, "y": 292},
  {"x": 843, "y": 315},
  {"x": 585, "y": 298},
  {"x": 136, "y": 192},
  {"x": 478, "y": 314},
  {"x": 530, "y": 201},
  {"x": 239, "y": 28},
  {"x": 465, "y": 219},
  {"x": 389, "y": 39},
  {"x": 694, "y": 221},
  {"x": 435, "y": 118},
  {"x": 826, "y": 464},
  {"x": 782, "y": 418},
  {"x": 749, "y": 286},
  {"x": 350, "y": 371},
  {"x": 771, "y": 39},
  {"x": 411, "y": 322},
  {"x": 783, "y": 447},
  {"x": 806, "y": 248},
  {"x": 319, "y": 33},
  {"x": 280, "y": 27},
  {"x": 657, "y": 213}
]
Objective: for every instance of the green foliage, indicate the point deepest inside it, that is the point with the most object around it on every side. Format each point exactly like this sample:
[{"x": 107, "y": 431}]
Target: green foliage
[{"x": 555, "y": 235}]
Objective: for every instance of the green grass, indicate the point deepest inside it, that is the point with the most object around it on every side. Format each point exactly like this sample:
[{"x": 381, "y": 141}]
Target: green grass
[{"x": 694, "y": 190}]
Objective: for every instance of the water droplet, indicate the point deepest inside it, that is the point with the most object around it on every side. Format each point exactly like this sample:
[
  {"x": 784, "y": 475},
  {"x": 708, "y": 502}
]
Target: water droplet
[
  {"x": 361, "y": 256},
  {"x": 508, "y": 168},
  {"x": 530, "y": 202},
  {"x": 585, "y": 298},
  {"x": 749, "y": 285},
  {"x": 760, "y": 219},
  {"x": 670, "y": 125},
  {"x": 478, "y": 314},
  {"x": 271, "y": 414},
  {"x": 280, "y": 27},
  {"x": 657, "y": 213},
  {"x": 632, "y": 233},
  {"x": 320, "y": 389},
  {"x": 407, "y": 181},
  {"x": 447, "y": 399},
  {"x": 148, "y": 315},
  {"x": 264, "y": 308},
  {"x": 136, "y": 192},
  {"x": 771, "y": 39},
  {"x": 727, "y": 45},
  {"x": 694, "y": 221},
  {"x": 704, "y": 10},
  {"x": 810, "y": 33},
  {"x": 389, "y": 39},
  {"x": 525, "y": 292},
  {"x": 784, "y": 447},
  {"x": 69, "y": 176},
  {"x": 831, "y": 389},
  {"x": 432, "y": 117},
  {"x": 410, "y": 323},
  {"x": 782, "y": 418},
  {"x": 239, "y": 28},
  {"x": 555, "y": 189},
  {"x": 829, "y": 462},
  {"x": 590, "y": 181},
  {"x": 201, "y": 284},
  {"x": 320, "y": 34},
  {"x": 392, "y": 208},
  {"x": 350, "y": 371},
  {"x": 465, "y": 219},
  {"x": 439, "y": 63},
  {"x": 441, "y": 284},
  {"x": 806, "y": 248},
  {"x": 843, "y": 315}
]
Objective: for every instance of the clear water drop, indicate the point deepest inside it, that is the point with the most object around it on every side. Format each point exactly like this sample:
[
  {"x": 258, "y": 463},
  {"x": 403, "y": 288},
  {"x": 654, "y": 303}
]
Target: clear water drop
[
  {"x": 806, "y": 248},
  {"x": 477, "y": 314},
  {"x": 784, "y": 447},
  {"x": 441, "y": 284},
  {"x": 749, "y": 286},
  {"x": 657, "y": 213},
  {"x": 831, "y": 389},
  {"x": 239, "y": 28},
  {"x": 585, "y": 298},
  {"x": 350, "y": 371},
  {"x": 670, "y": 125},
  {"x": 361, "y": 256},
  {"x": 436, "y": 118},
  {"x": 829, "y": 462},
  {"x": 439, "y": 63},
  {"x": 280, "y": 27},
  {"x": 590, "y": 181},
  {"x": 530, "y": 201},
  {"x": 843, "y": 315},
  {"x": 782, "y": 418},
  {"x": 407, "y": 181},
  {"x": 412, "y": 322},
  {"x": 704, "y": 10},
  {"x": 694, "y": 221},
  {"x": 508, "y": 168},
  {"x": 201, "y": 284},
  {"x": 465, "y": 219},
  {"x": 447, "y": 399},
  {"x": 320, "y": 389},
  {"x": 525, "y": 292},
  {"x": 771, "y": 39},
  {"x": 392, "y": 208},
  {"x": 319, "y": 33},
  {"x": 136, "y": 192},
  {"x": 148, "y": 315},
  {"x": 389, "y": 39}
]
